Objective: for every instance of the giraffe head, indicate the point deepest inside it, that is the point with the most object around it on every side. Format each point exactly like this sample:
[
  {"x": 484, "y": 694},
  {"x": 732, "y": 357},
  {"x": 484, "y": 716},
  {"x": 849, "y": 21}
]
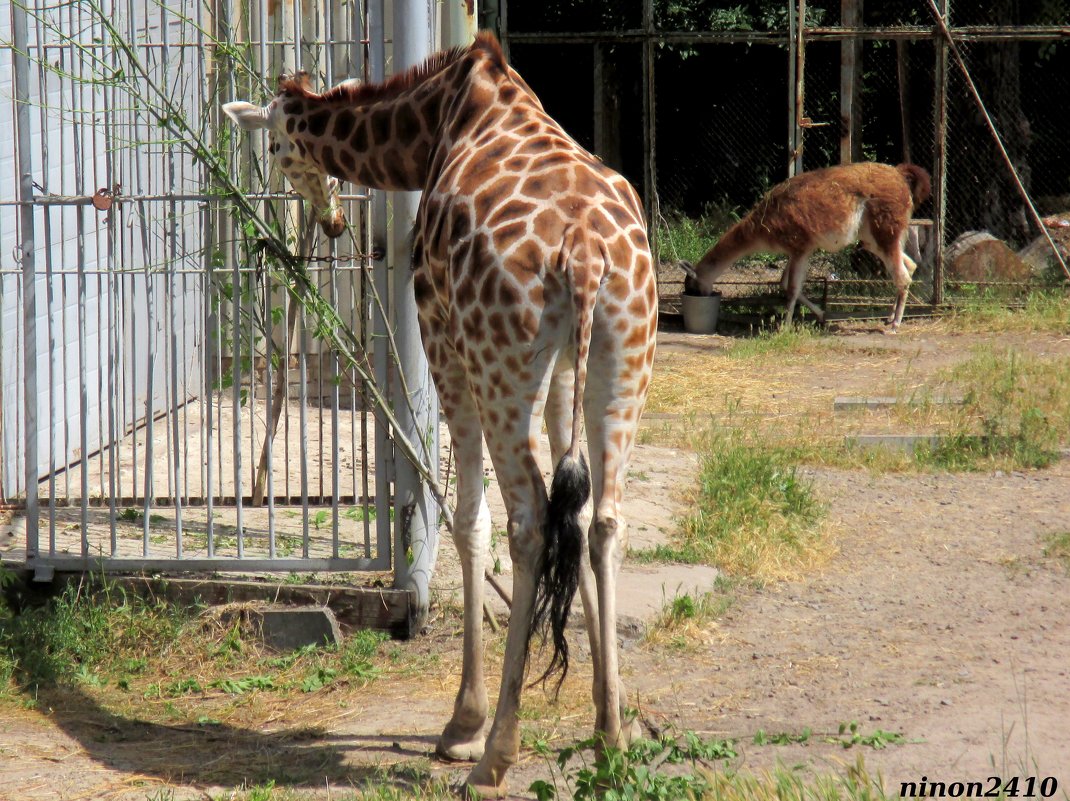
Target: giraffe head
[{"x": 304, "y": 174}]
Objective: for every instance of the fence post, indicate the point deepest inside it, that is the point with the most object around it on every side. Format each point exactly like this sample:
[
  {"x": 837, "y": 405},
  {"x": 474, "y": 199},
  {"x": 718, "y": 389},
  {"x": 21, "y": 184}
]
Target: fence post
[
  {"x": 650, "y": 167},
  {"x": 415, "y": 511},
  {"x": 20, "y": 56},
  {"x": 850, "y": 90},
  {"x": 940, "y": 156}
]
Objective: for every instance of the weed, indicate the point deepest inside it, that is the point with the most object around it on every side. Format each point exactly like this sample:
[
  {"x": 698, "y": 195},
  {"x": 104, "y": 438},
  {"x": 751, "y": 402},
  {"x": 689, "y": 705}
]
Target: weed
[
  {"x": 684, "y": 616},
  {"x": 752, "y": 514},
  {"x": 1016, "y": 412},
  {"x": 358, "y": 651},
  {"x": 636, "y": 772},
  {"x": 244, "y": 685},
  {"x": 849, "y": 735},
  {"x": 782, "y": 738},
  {"x": 1057, "y": 547},
  {"x": 1043, "y": 310},
  {"x": 82, "y": 636}
]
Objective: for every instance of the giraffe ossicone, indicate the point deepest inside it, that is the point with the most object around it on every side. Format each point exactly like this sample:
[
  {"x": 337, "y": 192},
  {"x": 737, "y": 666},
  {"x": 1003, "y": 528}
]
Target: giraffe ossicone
[{"x": 537, "y": 301}]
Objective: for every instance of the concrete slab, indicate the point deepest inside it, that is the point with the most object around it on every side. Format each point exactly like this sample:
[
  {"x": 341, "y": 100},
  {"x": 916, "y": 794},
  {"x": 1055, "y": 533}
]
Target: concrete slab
[
  {"x": 287, "y": 629},
  {"x": 900, "y": 442},
  {"x": 846, "y": 403}
]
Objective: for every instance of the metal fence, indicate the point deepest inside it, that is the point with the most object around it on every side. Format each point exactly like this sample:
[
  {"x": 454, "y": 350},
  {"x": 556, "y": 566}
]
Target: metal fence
[
  {"x": 704, "y": 105},
  {"x": 164, "y": 405}
]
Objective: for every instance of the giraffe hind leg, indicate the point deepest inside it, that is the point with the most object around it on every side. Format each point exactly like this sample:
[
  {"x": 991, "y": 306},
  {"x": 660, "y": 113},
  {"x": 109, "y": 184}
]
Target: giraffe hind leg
[
  {"x": 462, "y": 738},
  {"x": 559, "y": 427}
]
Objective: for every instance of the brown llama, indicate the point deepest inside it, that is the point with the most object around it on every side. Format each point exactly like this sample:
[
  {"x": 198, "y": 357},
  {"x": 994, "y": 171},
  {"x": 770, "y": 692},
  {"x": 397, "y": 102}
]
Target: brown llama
[{"x": 825, "y": 209}]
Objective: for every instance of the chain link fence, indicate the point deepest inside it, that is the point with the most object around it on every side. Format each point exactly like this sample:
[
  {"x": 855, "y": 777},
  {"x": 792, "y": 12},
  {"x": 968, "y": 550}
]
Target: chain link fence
[{"x": 697, "y": 103}]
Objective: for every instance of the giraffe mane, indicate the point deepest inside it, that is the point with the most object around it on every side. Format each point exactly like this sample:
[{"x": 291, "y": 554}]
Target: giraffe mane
[{"x": 400, "y": 83}]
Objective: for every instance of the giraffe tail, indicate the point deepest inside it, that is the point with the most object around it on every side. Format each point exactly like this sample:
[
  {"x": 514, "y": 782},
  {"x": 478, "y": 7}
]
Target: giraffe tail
[{"x": 559, "y": 571}]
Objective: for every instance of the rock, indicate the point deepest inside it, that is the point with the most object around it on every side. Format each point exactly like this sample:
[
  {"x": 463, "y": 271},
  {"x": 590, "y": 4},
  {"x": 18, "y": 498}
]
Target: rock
[
  {"x": 979, "y": 256},
  {"x": 1038, "y": 253}
]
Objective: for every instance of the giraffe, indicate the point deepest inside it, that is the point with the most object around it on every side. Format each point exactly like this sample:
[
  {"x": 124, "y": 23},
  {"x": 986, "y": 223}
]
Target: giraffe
[{"x": 536, "y": 298}]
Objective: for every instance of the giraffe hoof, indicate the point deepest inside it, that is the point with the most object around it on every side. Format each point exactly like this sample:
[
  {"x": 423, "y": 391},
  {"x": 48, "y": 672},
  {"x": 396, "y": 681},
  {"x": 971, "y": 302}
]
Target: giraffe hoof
[
  {"x": 481, "y": 783},
  {"x": 460, "y": 751}
]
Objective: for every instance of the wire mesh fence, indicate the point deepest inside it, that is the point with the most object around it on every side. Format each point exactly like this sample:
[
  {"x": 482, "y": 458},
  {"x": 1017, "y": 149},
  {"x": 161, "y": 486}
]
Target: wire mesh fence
[{"x": 724, "y": 120}]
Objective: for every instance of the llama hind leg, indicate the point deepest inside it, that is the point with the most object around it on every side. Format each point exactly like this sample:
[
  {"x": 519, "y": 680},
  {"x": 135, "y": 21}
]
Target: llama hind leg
[
  {"x": 901, "y": 268},
  {"x": 792, "y": 282}
]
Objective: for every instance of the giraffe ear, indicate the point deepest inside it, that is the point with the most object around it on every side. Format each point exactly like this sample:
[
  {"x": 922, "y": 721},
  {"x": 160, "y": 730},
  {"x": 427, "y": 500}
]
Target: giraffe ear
[{"x": 247, "y": 116}]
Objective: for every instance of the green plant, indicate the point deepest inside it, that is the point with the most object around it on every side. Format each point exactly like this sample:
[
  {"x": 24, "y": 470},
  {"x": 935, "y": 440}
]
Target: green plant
[
  {"x": 687, "y": 238},
  {"x": 850, "y": 735},
  {"x": 636, "y": 772},
  {"x": 752, "y": 513},
  {"x": 85, "y": 633},
  {"x": 1016, "y": 409},
  {"x": 360, "y": 648},
  {"x": 1057, "y": 547},
  {"x": 782, "y": 738}
]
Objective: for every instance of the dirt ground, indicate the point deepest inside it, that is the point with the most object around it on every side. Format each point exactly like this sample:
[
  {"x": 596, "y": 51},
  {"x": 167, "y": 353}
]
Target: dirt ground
[{"x": 939, "y": 619}]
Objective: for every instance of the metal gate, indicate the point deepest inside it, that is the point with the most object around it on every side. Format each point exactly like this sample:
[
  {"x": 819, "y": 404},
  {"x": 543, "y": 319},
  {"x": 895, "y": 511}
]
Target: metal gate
[{"x": 165, "y": 406}]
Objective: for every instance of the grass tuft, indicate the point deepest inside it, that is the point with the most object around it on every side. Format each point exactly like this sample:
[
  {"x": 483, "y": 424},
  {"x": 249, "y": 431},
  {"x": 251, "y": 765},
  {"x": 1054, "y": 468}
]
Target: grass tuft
[
  {"x": 1057, "y": 547},
  {"x": 1016, "y": 413},
  {"x": 1045, "y": 310},
  {"x": 752, "y": 514}
]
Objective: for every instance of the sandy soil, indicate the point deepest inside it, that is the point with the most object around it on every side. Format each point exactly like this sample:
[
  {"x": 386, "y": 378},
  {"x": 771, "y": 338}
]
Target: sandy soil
[{"x": 940, "y": 619}]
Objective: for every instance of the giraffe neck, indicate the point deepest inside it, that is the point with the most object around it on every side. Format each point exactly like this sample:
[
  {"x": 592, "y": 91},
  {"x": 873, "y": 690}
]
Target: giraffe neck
[{"x": 381, "y": 136}]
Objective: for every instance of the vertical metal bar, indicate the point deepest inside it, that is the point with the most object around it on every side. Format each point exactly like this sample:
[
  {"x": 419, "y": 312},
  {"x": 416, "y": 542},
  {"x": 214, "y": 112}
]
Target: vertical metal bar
[
  {"x": 170, "y": 253},
  {"x": 211, "y": 350},
  {"x": 114, "y": 336},
  {"x": 269, "y": 400},
  {"x": 459, "y": 22},
  {"x": 384, "y": 455},
  {"x": 940, "y": 155},
  {"x": 335, "y": 374},
  {"x": 302, "y": 366},
  {"x": 415, "y": 513},
  {"x": 235, "y": 398},
  {"x": 55, "y": 350},
  {"x": 27, "y": 248},
  {"x": 78, "y": 132}
]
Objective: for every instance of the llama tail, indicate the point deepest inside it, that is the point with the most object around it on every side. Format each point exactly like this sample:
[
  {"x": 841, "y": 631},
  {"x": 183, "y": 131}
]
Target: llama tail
[
  {"x": 918, "y": 181},
  {"x": 559, "y": 571}
]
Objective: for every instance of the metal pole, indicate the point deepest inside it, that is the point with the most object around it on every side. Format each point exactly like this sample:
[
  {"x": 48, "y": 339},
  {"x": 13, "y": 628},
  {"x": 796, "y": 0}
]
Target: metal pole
[
  {"x": 940, "y": 159},
  {"x": 459, "y": 22},
  {"x": 27, "y": 246},
  {"x": 415, "y": 511},
  {"x": 384, "y": 455}
]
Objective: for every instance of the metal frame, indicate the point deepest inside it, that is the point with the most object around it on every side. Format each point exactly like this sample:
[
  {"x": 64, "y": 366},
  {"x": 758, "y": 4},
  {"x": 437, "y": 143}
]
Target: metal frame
[{"x": 157, "y": 297}]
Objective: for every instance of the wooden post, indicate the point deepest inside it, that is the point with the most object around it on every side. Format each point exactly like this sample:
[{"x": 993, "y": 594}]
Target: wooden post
[
  {"x": 606, "y": 107},
  {"x": 850, "y": 84},
  {"x": 902, "y": 64},
  {"x": 650, "y": 174}
]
